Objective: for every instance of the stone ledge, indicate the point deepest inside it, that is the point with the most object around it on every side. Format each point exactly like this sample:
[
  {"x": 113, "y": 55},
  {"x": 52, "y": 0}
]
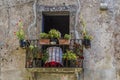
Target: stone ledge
[{"x": 55, "y": 70}]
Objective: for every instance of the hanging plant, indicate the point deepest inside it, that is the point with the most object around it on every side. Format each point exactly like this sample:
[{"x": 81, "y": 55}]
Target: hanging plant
[
  {"x": 86, "y": 37},
  {"x": 87, "y": 41},
  {"x": 21, "y": 34}
]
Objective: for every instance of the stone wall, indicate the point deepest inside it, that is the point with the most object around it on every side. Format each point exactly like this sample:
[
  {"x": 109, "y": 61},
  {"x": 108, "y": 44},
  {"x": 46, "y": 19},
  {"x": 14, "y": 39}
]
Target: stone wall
[
  {"x": 117, "y": 38},
  {"x": 101, "y": 60},
  {"x": 13, "y": 57}
]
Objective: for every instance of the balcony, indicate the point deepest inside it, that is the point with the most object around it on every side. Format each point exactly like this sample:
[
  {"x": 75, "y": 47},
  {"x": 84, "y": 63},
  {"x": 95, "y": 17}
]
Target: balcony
[{"x": 52, "y": 57}]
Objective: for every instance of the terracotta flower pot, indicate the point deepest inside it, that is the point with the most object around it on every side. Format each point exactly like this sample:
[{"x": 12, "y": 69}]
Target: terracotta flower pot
[
  {"x": 64, "y": 41},
  {"x": 44, "y": 41}
]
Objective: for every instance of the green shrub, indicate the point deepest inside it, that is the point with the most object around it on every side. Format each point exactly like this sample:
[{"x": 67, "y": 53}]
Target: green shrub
[
  {"x": 53, "y": 33},
  {"x": 67, "y": 36},
  {"x": 44, "y": 35},
  {"x": 70, "y": 55}
]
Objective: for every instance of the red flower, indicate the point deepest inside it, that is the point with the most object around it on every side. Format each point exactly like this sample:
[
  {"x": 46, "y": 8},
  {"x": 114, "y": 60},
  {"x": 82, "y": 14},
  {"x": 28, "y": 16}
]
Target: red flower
[{"x": 81, "y": 57}]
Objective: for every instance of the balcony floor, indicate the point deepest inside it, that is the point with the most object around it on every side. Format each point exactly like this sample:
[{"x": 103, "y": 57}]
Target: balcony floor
[{"x": 55, "y": 70}]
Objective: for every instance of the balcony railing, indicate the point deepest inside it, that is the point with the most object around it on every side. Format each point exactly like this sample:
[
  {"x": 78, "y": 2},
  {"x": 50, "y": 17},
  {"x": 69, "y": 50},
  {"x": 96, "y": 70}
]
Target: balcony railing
[{"x": 51, "y": 55}]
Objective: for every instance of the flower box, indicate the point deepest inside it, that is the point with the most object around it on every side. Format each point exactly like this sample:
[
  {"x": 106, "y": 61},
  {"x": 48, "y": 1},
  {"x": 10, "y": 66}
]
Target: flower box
[
  {"x": 44, "y": 41},
  {"x": 64, "y": 41}
]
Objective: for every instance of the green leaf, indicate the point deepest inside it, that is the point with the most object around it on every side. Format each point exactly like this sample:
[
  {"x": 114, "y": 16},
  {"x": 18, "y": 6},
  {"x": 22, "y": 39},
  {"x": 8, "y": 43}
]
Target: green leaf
[{"x": 31, "y": 47}]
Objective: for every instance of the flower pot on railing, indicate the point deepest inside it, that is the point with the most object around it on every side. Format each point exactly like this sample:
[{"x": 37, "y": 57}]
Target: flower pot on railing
[
  {"x": 54, "y": 41},
  {"x": 87, "y": 43},
  {"x": 21, "y": 34},
  {"x": 64, "y": 41},
  {"x": 69, "y": 59},
  {"x": 22, "y": 43},
  {"x": 44, "y": 41},
  {"x": 44, "y": 38},
  {"x": 54, "y": 36}
]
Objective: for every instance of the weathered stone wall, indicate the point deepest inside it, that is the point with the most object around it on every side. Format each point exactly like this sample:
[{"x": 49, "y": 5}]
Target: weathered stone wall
[
  {"x": 117, "y": 38},
  {"x": 99, "y": 63},
  {"x": 13, "y": 58},
  {"x": 100, "y": 58}
]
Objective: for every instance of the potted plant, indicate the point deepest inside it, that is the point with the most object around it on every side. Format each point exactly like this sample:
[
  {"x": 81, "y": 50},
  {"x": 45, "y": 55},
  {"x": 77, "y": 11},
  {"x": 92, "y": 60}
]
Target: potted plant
[
  {"x": 86, "y": 37},
  {"x": 44, "y": 38},
  {"x": 21, "y": 34},
  {"x": 54, "y": 36},
  {"x": 69, "y": 59},
  {"x": 65, "y": 40},
  {"x": 87, "y": 41}
]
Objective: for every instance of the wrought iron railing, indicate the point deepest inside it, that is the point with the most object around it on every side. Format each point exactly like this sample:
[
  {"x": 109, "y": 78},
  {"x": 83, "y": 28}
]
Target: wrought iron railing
[{"x": 51, "y": 55}]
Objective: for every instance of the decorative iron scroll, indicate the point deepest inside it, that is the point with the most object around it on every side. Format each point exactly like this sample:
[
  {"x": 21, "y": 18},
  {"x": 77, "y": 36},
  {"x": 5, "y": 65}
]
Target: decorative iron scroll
[{"x": 71, "y": 8}]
